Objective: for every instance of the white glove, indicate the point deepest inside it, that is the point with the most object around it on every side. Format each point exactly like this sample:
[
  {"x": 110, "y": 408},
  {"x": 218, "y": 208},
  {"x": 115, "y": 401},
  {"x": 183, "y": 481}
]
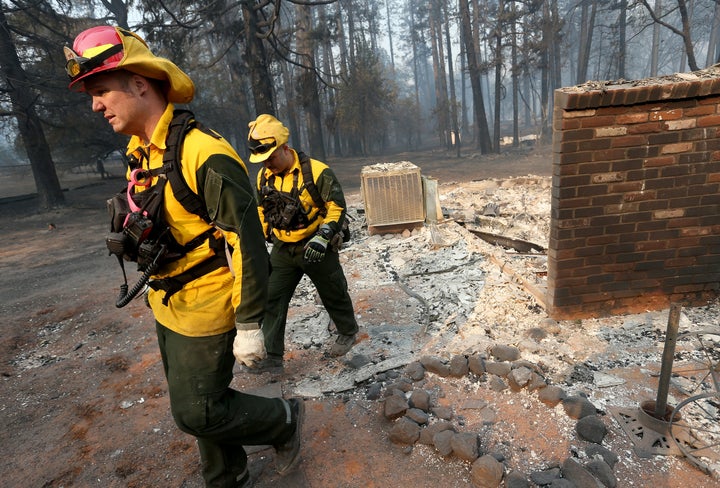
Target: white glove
[{"x": 249, "y": 347}]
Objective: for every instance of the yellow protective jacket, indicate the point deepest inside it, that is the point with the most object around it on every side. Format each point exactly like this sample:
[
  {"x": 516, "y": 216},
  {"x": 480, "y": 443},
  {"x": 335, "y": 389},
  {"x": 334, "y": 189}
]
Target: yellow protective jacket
[
  {"x": 329, "y": 188},
  {"x": 212, "y": 303}
]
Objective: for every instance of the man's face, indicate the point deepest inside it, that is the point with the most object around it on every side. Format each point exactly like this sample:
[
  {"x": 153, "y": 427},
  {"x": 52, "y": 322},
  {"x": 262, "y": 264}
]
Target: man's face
[
  {"x": 279, "y": 161},
  {"x": 116, "y": 96}
]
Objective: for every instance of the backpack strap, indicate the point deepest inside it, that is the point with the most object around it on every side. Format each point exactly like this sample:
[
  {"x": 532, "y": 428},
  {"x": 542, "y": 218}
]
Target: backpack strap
[
  {"x": 309, "y": 182},
  {"x": 183, "y": 121},
  {"x": 174, "y": 284}
]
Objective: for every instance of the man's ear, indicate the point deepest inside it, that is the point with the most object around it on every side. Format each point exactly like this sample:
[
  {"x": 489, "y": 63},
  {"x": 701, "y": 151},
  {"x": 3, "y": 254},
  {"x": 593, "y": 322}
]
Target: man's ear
[{"x": 139, "y": 83}]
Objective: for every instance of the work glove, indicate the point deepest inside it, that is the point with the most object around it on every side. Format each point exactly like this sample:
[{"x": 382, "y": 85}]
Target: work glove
[
  {"x": 316, "y": 247},
  {"x": 249, "y": 344}
]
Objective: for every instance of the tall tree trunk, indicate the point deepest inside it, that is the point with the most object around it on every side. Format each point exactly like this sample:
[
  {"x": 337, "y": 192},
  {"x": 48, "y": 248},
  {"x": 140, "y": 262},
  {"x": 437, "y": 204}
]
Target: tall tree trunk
[
  {"x": 344, "y": 66},
  {"x": 464, "y": 122},
  {"x": 351, "y": 35},
  {"x": 655, "y": 40},
  {"x": 342, "y": 40},
  {"x": 685, "y": 33},
  {"x": 329, "y": 67},
  {"x": 481, "y": 128},
  {"x": 556, "y": 45},
  {"x": 416, "y": 40},
  {"x": 22, "y": 97},
  {"x": 622, "y": 35},
  {"x": 451, "y": 75},
  {"x": 514, "y": 74},
  {"x": 238, "y": 90},
  {"x": 255, "y": 56},
  {"x": 587, "y": 27},
  {"x": 291, "y": 120},
  {"x": 390, "y": 35},
  {"x": 240, "y": 100},
  {"x": 714, "y": 37},
  {"x": 498, "y": 73},
  {"x": 530, "y": 100},
  {"x": 372, "y": 17},
  {"x": 416, "y": 68},
  {"x": 545, "y": 71},
  {"x": 307, "y": 85},
  {"x": 441, "y": 107},
  {"x": 687, "y": 37}
]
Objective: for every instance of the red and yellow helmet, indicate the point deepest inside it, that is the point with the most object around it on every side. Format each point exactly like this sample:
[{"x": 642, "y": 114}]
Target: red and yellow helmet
[{"x": 105, "y": 48}]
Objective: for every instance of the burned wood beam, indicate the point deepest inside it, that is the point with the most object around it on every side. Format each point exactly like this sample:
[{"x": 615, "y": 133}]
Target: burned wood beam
[{"x": 508, "y": 242}]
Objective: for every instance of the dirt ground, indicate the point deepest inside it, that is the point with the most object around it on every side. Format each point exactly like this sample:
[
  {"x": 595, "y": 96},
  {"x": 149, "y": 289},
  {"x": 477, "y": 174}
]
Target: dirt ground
[{"x": 84, "y": 401}]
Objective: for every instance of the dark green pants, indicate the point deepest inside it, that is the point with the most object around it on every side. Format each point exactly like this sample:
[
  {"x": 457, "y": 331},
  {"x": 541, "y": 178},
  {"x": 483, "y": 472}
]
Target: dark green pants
[
  {"x": 288, "y": 266},
  {"x": 198, "y": 372}
]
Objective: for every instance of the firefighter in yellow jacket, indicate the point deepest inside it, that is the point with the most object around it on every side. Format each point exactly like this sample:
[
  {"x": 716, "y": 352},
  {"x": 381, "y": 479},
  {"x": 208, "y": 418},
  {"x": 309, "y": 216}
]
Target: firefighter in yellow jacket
[
  {"x": 208, "y": 307},
  {"x": 302, "y": 210}
]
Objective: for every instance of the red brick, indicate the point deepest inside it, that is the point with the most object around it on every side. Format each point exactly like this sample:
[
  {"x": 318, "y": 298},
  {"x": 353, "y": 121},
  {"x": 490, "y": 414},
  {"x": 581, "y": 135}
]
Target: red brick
[
  {"x": 622, "y": 207},
  {"x": 594, "y": 167},
  {"x": 562, "y": 99},
  {"x": 577, "y": 135},
  {"x": 651, "y": 245},
  {"x": 569, "y": 114},
  {"x": 598, "y": 121},
  {"x": 681, "y": 223},
  {"x": 712, "y": 100},
  {"x": 595, "y": 144},
  {"x": 660, "y": 161},
  {"x": 639, "y": 196},
  {"x": 677, "y": 148},
  {"x": 573, "y": 223},
  {"x": 708, "y": 121},
  {"x": 628, "y": 141},
  {"x": 701, "y": 110},
  {"x": 680, "y": 90},
  {"x": 610, "y": 131},
  {"x": 610, "y": 154},
  {"x": 616, "y": 110},
  {"x": 634, "y": 118},
  {"x": 565, "y": 147},
  {"x": 679, "y": 262},
  {"x": 607, "y": 177},
  {"x": 647, "y": 128},
  {"x": 569, "y": 124},
  {"x": 666, "y": 115},
  {"x": 680, "y": 124},
  {"x": 628, "y": 164},
  {"x": 697, "y": 134},
  {"x": 666, "y": 137},
  {"x": 695, "y": 231}
]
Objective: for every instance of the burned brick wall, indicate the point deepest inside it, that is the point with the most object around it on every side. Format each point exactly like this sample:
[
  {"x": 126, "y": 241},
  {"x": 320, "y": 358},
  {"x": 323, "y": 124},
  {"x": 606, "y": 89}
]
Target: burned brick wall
[{"x": 635, "y": 221}]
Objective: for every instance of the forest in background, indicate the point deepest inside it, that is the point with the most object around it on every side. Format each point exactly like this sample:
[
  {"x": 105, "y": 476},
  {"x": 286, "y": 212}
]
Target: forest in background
[{"x": 348, "y": 77}]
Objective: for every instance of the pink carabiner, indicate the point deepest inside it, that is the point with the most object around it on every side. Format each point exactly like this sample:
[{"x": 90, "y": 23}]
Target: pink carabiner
[
  {"x": 138, "y": 177},
  {"x": 145, "y": 178}
]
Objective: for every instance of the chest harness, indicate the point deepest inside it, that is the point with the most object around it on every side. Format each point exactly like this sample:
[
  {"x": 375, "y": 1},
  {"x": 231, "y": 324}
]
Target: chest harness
[
  {"x": 139, "y": 231},
  {"x": 284, "y": 210}
]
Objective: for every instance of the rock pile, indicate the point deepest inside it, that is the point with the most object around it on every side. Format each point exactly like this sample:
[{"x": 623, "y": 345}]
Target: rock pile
[{"x": 417, "y": 418}]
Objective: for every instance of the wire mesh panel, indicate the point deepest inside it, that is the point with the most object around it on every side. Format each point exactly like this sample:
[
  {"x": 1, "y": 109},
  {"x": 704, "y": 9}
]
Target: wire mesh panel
[{"x": 392, "y": 193}]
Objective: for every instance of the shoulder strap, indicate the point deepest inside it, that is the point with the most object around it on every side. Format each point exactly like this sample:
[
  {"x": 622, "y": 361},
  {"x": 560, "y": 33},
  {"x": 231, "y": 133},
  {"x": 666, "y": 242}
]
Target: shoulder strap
[
  {"x": 182, "y": 122},
  {"x": 308, "y": 180}
]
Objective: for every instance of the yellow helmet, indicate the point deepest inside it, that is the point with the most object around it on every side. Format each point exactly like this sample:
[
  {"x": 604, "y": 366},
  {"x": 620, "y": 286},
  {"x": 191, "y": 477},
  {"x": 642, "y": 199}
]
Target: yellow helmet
[
  {"x": 105, "y": 48},
  {"x": 266, "y": 135}
]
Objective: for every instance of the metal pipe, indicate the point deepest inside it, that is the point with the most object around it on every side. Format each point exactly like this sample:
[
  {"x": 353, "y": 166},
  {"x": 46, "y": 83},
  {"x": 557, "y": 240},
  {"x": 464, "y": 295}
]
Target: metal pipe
[{"x": 667, "y": 360}]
